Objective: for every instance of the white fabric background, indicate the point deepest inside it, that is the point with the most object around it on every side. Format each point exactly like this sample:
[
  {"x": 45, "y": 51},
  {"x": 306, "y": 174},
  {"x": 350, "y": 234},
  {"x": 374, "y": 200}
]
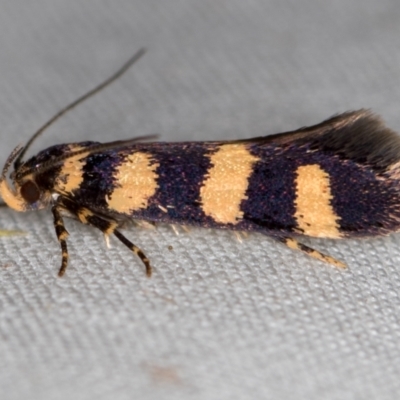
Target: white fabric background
[{"x": 219, "y": 319}]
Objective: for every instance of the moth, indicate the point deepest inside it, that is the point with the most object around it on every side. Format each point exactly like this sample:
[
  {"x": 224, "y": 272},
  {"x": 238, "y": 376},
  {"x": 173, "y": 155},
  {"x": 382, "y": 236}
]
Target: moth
[{"x": 337, "y": 179}]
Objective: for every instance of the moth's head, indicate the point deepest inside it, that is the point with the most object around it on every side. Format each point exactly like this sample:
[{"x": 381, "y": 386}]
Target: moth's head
[
  {"x": 35, "y": 181},
  {"x": 24, "y": 193}
]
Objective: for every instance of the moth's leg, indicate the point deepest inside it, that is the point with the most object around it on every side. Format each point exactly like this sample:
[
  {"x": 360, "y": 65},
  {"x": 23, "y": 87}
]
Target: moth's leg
[
  {"x": 295, "y": 245},
  {"x": 62, "y": 235},
  {"x": 136, "y": 250},
  {"x": 109, "y": 227},
  {"x": 4, "y": 232}
]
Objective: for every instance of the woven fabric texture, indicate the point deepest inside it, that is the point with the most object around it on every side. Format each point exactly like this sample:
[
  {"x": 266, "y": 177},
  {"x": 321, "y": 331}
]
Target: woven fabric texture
[{"x": 221, "y": 318}]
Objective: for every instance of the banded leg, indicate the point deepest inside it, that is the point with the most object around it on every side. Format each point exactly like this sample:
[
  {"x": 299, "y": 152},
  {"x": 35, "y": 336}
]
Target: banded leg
[
  {"x": 109, "y": 227},
  {"x": 136, "y": 250},
  {"x": 62, "y": 235},
  {"x": 295, "y": 245}
]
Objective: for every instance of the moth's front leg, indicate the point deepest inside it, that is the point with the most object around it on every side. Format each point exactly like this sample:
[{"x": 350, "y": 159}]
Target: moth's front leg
[
  {"x": 87, "y": 217},
  {"x": 62, "y": 235}
]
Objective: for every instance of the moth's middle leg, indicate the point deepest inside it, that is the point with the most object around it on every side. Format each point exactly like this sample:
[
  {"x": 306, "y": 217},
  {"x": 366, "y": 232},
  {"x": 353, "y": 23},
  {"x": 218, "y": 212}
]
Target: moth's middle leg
[{"x": 109, "y": 227}]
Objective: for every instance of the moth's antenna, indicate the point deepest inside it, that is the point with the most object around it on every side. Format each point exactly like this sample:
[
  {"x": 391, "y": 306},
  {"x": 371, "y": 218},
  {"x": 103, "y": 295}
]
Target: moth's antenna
[
  {"x": 97, "y": 148},
  {"x": 121, "y": 71}
]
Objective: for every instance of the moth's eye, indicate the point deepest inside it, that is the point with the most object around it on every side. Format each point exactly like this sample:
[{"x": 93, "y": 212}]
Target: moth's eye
[{"x": 30, "y": 192}]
